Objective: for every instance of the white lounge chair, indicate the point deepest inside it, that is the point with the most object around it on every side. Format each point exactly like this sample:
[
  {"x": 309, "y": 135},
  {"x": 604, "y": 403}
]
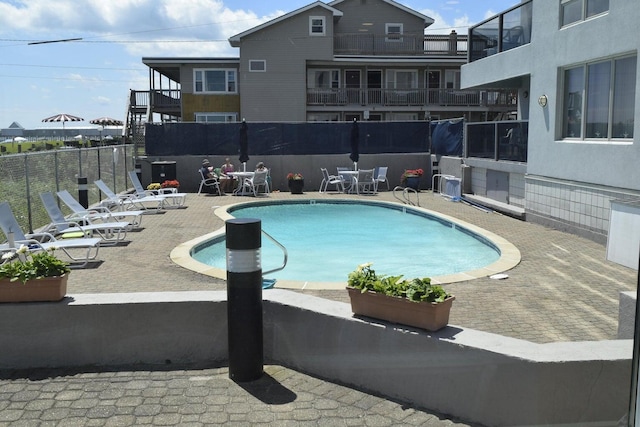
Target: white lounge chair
[
  {"x": 88, "y": 246},
  {"x": 111, "y": 233},
  {"x": 177, "y": 199},
  {"x": 327, "y": 180},
  {"x": 99, "y": 213},
  {"x": 112, "y": 200}
]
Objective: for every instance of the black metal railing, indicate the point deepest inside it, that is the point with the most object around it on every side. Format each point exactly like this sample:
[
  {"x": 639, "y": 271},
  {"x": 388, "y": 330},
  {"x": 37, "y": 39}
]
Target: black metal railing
[
  {"x": 507, "y": 140},
  {"x": 502, "y": 32},
  {"x": 400, "y": 44}
]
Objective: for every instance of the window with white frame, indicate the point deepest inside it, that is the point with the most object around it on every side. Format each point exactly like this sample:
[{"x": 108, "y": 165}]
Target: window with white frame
[
  {"x": 578, "y": 10},
  {"x": 599, "y": 100},
  {"x": 402, "y": 79},
  {"x": 323, "y": 79},
  {"x": 216, "y": 117},
  {"x": 257, "y": 65},
  {"x": 215, "y": 81},
  {"x": 393, "y": 32},
  {"x": 317, "y": 26}
]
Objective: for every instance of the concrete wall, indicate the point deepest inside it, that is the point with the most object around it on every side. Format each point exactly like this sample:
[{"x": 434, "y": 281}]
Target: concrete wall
[
  {"x": 477, "y": 376},
  {"x": 187, "y": 167}
]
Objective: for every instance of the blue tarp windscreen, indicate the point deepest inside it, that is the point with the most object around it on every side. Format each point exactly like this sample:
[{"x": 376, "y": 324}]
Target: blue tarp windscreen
[{"x": 446, "y": 138}]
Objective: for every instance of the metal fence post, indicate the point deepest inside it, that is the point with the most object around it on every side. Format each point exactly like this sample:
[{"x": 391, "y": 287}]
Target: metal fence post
[
  {"x": 244, "y": 299},
  {"x": 83, "y": 191}
]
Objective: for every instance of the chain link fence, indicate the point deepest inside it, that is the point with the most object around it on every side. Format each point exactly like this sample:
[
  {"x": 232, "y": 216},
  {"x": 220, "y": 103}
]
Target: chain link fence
[{"x": 25, "y": 176}]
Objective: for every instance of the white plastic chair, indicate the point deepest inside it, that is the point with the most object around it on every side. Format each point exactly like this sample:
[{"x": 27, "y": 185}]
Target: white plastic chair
[
  {"x": 209, "y": 183},
  {"x": 100, "y": 213},
  {"x": 327, "y": 179},
  {"x": 380, "y": 175},
  {"x": 143, "y": 195},
  {"x": 253, "y": 184},
  {"x": 365, "y": 183}
]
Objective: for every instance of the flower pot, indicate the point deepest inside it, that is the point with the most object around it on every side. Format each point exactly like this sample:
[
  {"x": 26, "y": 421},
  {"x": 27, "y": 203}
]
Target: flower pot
[
  {"x": 413, "y": 182},
  {"x": 296, "y": 186},
  {"x": 426, "y": 315},
  {"x": 36, "y": 290}
]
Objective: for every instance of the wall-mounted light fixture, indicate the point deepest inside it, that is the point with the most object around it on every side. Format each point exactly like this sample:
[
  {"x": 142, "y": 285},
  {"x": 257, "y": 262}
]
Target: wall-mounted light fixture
[{"x": 542, "y": 101}]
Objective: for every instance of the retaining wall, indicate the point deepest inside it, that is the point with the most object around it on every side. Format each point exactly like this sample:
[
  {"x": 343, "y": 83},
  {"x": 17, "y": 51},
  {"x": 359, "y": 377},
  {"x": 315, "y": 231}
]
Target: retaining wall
[{"x": 476, "y": 376}]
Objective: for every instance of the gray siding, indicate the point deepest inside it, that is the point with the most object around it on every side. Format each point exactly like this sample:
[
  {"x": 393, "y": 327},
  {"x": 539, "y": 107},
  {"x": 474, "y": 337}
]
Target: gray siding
[
  {"x": 279, "y": 94},
  {"x": 377, "y": 12}
]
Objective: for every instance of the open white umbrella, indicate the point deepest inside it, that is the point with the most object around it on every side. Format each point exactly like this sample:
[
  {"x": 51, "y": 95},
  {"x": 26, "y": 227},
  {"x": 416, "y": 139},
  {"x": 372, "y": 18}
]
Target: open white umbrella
[{"x": 63, "y": 118}]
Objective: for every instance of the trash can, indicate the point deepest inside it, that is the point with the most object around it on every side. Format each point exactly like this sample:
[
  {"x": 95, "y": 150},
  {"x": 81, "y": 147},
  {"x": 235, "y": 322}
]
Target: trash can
[{"x": 163, "y": 171}]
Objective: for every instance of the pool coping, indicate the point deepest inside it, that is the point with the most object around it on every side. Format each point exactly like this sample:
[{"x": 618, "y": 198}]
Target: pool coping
[{"x": 509, "y": 253}]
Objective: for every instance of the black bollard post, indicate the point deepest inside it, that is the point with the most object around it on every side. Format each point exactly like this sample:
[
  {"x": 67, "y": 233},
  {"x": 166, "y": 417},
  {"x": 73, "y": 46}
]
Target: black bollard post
[
  {"x": 244, "y": 299},
  {"x": 83, "y": 192}
]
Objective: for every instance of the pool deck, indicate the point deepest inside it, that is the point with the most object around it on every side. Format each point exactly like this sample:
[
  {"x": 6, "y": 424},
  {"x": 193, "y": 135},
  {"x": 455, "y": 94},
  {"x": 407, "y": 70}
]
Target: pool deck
[{"x": 563, "y": 289}]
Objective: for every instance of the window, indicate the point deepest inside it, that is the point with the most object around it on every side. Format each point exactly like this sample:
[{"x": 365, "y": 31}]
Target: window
[
  {"x": 216, "y": 117},
  {"x": 323, "y": 79},
  {"x": 393, "y": 32},
  {"x": 316, "y": 26},
  {"x": 214, "y": 81},
  {"x": 579, "y": 10},
  {"x": 257, "y": 65},
  {"x": 598, "y": 100},
  {"x": 402, "y": 79}
]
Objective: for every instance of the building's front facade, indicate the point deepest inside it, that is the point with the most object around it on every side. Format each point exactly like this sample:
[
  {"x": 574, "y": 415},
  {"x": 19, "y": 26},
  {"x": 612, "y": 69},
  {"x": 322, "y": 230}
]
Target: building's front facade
[
  {"x": 577, "y": 79},
  {"x": 335, "y": 61}
]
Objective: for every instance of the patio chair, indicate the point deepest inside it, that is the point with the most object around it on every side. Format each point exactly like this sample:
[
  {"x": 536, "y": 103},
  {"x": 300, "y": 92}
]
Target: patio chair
[
  {"x": 110, "y": 232},
  {"x": 99, "y": 213},
  {"x": 123, "y": 201},
  {"x": 364, "y": 182},
  {"x": 347, "y": 180},
  {"x": 177, "y": 199},
  {"x": 44, "y": 241},
  {"x": 211, "y": 183},
  {"x": 253, "y": 183},
  {"x": 330, "y": 180},
  {"x": 380, "y": 175}
]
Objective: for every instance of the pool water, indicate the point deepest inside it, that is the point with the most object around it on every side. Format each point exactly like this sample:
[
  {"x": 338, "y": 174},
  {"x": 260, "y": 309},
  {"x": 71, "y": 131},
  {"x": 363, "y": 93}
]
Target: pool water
[{"x": 326, "y": 241}]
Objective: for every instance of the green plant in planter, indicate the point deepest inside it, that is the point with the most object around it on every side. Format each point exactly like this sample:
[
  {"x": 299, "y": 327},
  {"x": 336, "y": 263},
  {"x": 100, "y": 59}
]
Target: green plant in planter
[
  {"x": 418, "y": 289},
  {"x": 25, "y": 265}
]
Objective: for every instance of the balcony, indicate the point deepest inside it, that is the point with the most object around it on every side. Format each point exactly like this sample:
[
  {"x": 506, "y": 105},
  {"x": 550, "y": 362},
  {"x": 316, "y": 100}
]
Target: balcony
[
  {"x": 400, "y": 44},
  {"x": 160, "y": 101},
  {"x": 342, "y": 97},
  {"x": 506, "y": 140},
  {"x": 503, "y": 32}
]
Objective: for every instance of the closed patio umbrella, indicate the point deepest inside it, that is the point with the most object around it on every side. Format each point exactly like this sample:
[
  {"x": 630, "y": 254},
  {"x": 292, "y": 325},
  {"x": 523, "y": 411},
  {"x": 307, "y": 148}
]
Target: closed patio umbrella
[
  {"x": 244, "y": 144},
  {"x": 63, "y": 118},
  {"x": 355, "y": 144}
]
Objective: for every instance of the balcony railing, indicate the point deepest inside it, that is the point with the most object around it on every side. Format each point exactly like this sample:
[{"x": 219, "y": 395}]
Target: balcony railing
[
  {"x": 402, "y": 44},
  {"x": 409, "y": 97},
  {"x": 506, "y": 140},
  {"x": 159, "y": 99},
  {"x": 503, "y": 32}
]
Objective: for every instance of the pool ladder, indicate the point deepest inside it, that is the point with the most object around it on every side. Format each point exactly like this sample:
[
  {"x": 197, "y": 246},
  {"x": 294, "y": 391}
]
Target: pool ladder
[
  {"x": 284, "y": 252},
  {"x": 406, "y": 195}
]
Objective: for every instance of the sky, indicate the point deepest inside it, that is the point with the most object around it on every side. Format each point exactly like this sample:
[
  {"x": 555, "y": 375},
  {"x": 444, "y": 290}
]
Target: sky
[{"x": 91, "y": 77}]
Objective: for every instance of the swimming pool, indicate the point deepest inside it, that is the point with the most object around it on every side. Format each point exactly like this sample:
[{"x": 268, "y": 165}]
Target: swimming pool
[{"x": 328, "y": 239}]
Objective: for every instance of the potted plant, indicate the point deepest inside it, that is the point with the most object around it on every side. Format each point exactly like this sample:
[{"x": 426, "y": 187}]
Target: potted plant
[
  {"x": 414, "y": 302},
  {"x": 411, "y": 178},
  {"x": 154, "y": 186},
  {"x": 296, "y": 182},
  {"x": 27, "y": 276}
]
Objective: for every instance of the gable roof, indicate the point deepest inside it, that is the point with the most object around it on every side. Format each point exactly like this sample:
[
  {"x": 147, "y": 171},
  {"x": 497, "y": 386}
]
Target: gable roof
[
  {"x": 427, "y": 20},
  {"x": 235, "y": 40}
]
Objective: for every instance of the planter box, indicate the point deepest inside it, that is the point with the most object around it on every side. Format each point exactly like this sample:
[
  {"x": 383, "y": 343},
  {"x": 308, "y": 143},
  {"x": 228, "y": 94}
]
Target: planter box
[
  {"x": 45, "y": 289},
  {"x": 296, "y": 186},
  {"x": 425, "y": 315}
]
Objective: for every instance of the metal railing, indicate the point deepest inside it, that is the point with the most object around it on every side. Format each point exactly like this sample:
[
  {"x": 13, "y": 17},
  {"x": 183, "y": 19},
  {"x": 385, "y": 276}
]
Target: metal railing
[
  {"x": 400, "y": 44},
  {"x": 25, "y": 176},
  {"x": 502, "y": 32},
  {"x": 507, "y": 140},
  {"x": 409, "y": 97}
]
